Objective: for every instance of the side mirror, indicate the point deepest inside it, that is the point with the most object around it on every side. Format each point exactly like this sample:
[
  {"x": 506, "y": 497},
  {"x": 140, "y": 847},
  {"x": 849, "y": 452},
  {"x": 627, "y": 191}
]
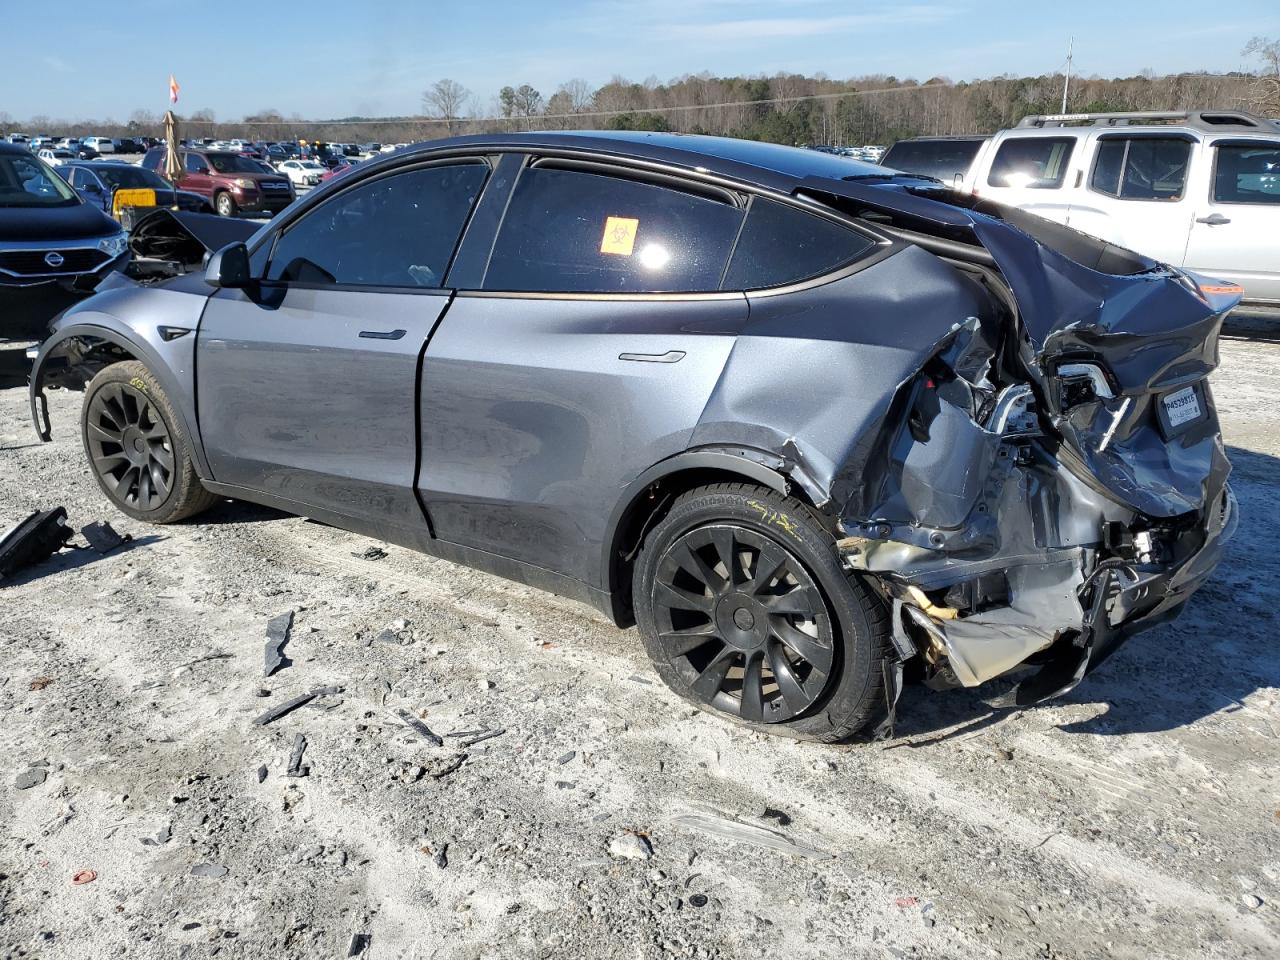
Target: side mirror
[{"x": 228, "y": 267}]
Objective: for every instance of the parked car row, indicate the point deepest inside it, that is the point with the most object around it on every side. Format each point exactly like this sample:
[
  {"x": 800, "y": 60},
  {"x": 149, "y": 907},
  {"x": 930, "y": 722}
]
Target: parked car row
[
  {"x": 1199, "y": 190},
  {"x": 97, "y": 144}
]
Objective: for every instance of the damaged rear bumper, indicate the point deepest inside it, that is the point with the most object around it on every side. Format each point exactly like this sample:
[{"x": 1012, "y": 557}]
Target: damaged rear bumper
[{"x": 1058, "y": 608}]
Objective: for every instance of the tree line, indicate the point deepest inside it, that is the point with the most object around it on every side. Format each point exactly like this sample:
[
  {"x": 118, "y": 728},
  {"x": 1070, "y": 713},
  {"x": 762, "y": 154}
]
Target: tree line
[{"x": 784, "y": 108}]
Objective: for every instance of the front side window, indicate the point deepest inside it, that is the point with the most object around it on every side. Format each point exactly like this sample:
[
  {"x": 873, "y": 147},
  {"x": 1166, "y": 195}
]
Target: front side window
[
  {"x": 396, "y": 231},
  {"x": 780, "y": 244},
  {"x": 1037, "y": 163},
  {"x": 1141, "y": 168},
  {"x": 571, "y": 231},
  {"x": 1247, "y": 174},
  {"x": 231, "y": 163}
]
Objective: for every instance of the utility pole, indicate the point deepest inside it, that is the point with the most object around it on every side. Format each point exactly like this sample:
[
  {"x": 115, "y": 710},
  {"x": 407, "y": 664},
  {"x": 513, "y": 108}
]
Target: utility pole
[{"x": 1066, "y": 81}]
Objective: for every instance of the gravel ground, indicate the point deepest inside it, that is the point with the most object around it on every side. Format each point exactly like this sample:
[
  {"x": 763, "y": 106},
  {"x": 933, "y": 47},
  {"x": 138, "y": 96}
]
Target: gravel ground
[{"x": 1137, "y": 818}]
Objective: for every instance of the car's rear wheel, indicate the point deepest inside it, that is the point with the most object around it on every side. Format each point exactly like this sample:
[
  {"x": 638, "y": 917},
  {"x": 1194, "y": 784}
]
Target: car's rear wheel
[
  {"x": 225, "y": 204},
  {"x": 136, "y": 448},
  {"x": 747, "y": 612}
]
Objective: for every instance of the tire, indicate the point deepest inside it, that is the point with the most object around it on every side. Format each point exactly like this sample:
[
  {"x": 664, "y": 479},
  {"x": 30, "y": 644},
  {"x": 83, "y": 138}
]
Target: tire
[
  {"x": 225, "y": 204},
  {"x": 813, "y": 640},
  {"x": 136, "y": 449}
]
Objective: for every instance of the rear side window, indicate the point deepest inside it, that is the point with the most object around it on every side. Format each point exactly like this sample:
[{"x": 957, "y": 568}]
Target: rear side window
[
  {"x": 943, "y": 159},
  {"x": 396, "y": 231},
  {"x": 780, "y": 244},
  {"x": 194, "y": 163},
  {"x": 1037, "y": 163},
  {"x": 570, "y": 231},
  {"x": 1141, "y": 168},
  {"x": 1247, "y": 174}
]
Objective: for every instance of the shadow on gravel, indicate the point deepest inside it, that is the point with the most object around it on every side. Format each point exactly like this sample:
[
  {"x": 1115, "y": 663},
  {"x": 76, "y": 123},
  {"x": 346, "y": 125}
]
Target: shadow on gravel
[
  {"x": 14, "y": 365},
  {"x": 1252, "y": 326},
  {"x": 69, "y": 559},
  {"x": 1208, "y": 661},
  {"x": 238, "y": 511}
]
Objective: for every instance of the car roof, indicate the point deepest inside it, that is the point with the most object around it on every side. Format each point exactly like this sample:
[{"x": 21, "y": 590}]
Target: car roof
[
  {"x": 751, "y": 161},
  {"x": 6, "y": 147}
]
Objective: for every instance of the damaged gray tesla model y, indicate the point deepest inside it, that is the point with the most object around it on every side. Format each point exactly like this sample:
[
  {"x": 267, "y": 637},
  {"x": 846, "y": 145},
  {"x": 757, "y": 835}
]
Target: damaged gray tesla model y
[{"x": 810, "y": 424}]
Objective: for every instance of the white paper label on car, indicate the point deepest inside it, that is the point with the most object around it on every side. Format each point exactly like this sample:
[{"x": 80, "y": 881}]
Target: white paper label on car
[{"x": 1182, "y": 406}]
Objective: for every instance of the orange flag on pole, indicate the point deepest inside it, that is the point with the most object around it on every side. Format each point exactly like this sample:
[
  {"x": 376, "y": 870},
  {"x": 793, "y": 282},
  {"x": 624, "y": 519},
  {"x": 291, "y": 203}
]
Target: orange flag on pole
[{"x": 173, "y": 89}]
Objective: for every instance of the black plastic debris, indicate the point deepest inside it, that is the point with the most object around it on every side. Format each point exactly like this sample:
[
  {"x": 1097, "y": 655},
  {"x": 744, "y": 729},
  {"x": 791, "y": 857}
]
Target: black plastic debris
[
  {"x": 360, "y": 942},
  {"x": 35, "y": 539},
  {"x": 102, "y": 538},
  {"x": 278, "y": 711},
  {"x": 262, "y": 773},
  {"x": 296, "y": 767},
  {"x": 278, "y": 629},
  {"x": 420, "y": 728},
  {"x": 371, "y": 553}
]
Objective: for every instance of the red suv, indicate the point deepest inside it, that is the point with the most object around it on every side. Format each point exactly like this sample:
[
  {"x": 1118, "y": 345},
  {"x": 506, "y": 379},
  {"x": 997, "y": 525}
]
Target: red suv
[{"x": 231, "y": 182}]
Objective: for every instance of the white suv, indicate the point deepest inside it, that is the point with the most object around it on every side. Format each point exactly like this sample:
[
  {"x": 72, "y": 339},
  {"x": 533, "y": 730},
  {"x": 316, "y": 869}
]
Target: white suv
[
  {"x": 101, "y": 144},
  {"x": 1199, "y": 190}
]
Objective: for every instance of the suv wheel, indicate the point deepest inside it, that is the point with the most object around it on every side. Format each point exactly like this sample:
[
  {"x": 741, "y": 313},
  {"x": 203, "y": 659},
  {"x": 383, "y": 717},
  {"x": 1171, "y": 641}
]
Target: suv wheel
[
  {"x": 137, "y": 451},
  {"x": 225, "y": 204},
  {"x": 746, "y": 611}
]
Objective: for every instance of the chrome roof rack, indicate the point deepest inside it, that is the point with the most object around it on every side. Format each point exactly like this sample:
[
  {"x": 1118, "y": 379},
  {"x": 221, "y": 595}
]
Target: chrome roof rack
[{"x": 1208, "y": 120}]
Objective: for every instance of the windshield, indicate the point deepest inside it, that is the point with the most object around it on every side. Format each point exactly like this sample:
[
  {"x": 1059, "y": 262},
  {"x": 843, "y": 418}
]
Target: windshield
[
  {"x": 131, "y": 178},
  {"x": 231, "y": 163},
  {"x": 934, "y": 158},
  {"x": 28, "y": 182}
]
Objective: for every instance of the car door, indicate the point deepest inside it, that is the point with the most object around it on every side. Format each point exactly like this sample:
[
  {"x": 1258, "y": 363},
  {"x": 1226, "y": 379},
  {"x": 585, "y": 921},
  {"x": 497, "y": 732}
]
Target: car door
[
  {"x": 1235, "y": 229},
  {"x": 585, "y": 338},
  {"x": 307, "y": 380},
  {"x": 1030, "y": 172},
  {"x": 1134, "y": 192},
  {"x": 195, "y": 175}
]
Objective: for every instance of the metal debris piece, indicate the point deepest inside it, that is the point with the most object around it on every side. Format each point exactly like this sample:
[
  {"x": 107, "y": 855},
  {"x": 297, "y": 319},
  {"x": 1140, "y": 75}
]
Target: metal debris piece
[
  {"x": 277, "y": 636},
  {"x": 31, "y": 777},
  {"x": 488, "y": 735},
  {"x": 102, "y": 538},
  {"x": 746, "y": 833},
  {"x": 296, "y": 768},
  {"x": 34, "y": 539},
  {"x": 81, "y": 877},
  {"x": 418, "y": 727},
  {"x": 209, "y": 870},
  {"x": 565, "y": 758},
  {"x": 360, "y": 942}
]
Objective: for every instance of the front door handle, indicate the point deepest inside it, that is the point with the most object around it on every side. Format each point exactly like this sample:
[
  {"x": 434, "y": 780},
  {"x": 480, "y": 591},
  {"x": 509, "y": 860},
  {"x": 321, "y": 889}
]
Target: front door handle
[
  {"x": 671, "y": 356},
  {"x": 382, "y": 334},
  {"x": 1214, "y": 220}
]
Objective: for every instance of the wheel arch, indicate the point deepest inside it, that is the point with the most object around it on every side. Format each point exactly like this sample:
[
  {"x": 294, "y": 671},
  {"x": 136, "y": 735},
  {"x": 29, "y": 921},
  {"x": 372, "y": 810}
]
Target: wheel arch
[
  {"x": 647, "y": 499},
  {"x": 74, "y": 338}
]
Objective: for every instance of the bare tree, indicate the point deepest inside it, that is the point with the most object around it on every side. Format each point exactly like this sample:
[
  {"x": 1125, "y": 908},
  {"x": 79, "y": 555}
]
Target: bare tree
[
  {"x": 527, "y": 101},
  {"x": 1268, "y": 93},
  {"x": 445, "y": 98}
]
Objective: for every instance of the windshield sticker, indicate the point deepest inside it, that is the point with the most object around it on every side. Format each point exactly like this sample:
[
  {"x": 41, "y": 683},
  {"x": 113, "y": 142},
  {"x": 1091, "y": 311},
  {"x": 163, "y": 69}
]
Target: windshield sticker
[{"x": 619, "y": 236}]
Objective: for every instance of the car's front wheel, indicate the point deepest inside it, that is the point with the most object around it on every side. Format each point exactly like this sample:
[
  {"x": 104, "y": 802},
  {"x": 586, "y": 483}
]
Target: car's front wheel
[
  {"x": 225, "y": 204},
  {"x": 136, "y": 448},
  {"x": 747, "y": 612}
]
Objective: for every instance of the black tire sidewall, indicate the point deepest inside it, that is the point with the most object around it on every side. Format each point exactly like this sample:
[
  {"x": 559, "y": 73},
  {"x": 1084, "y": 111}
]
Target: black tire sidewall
[
  {"x": 855, "y": 692},
  {"x": 134, "y": 374}
]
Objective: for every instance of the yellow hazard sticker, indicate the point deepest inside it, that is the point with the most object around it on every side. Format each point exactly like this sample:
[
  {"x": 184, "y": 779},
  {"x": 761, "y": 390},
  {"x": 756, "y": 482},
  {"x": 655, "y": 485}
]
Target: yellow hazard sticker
[{"x": 619, "y": 236}]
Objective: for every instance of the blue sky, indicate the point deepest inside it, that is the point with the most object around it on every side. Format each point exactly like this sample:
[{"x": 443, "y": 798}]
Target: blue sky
[{"x": 329, "y": 58}]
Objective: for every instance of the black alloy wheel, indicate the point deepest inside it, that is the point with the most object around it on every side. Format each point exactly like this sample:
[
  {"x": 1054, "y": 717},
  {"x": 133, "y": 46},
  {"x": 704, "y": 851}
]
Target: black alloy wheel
[
  {"x": 743, "y": 623},
  {"x": 130, "y": 446}
]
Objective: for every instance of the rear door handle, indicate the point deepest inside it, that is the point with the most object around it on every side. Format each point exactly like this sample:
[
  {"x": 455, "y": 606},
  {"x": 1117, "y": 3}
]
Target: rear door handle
[
  {"x": 382, "y": 334},
  {"x": 671, "y": 356},
  {"x": 1214, "y": 220}
]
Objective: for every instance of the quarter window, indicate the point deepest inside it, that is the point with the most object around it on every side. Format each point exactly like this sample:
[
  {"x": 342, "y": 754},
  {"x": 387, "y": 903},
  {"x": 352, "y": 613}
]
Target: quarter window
[
  {"x": 1141, "y": 168},
  {"x": 1037, "y": 163},
  {"x": 1247, "y": 174},
  {"x": 396, "y": 231},
  {"x": 570, "y": 231},
  {"x": 780, "y": 244}
]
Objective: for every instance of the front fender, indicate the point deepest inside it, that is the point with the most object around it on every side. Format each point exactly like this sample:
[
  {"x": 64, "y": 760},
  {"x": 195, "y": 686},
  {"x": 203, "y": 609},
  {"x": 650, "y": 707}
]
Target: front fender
[{"x": 176, "y": 380}]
